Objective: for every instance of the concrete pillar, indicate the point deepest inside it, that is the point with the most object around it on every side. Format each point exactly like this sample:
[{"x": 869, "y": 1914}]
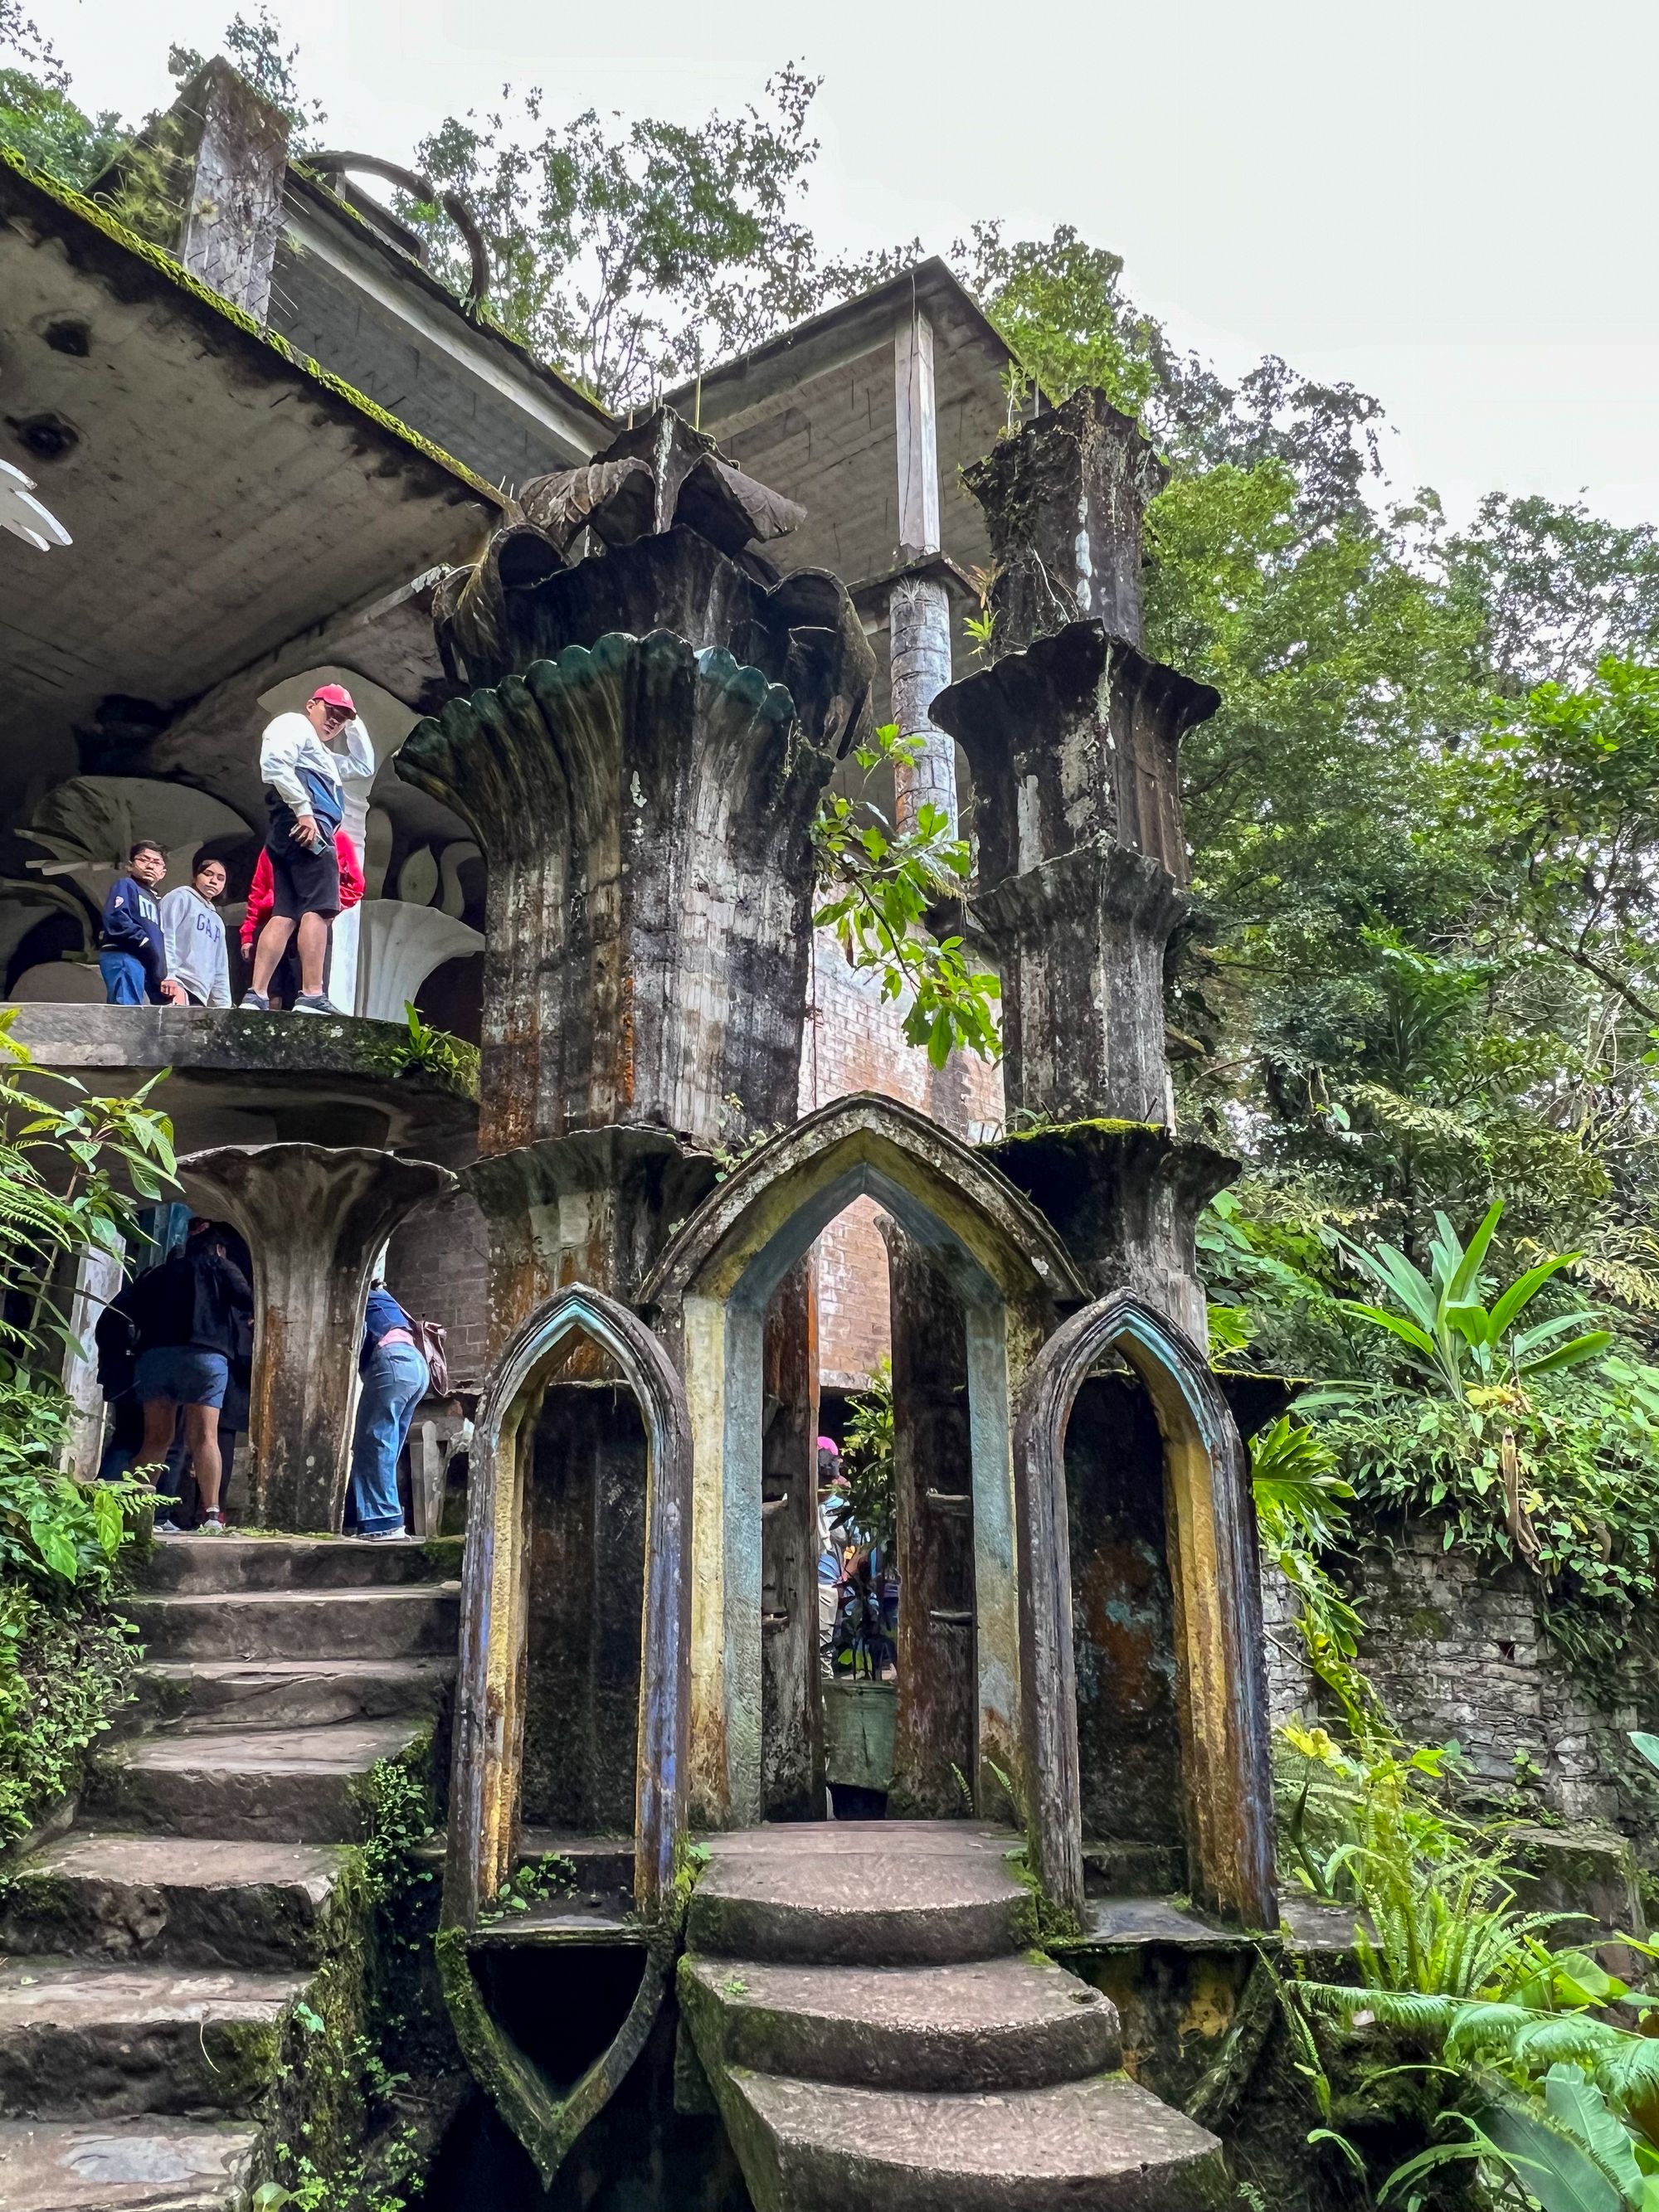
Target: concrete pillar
[
  {"x": 97, "y": 1279},
  {"x": 233, "y": 213},
  {"x": 919, "y": 642},
  {"x": 792, "y": 1726},
  {"x": 315, "y": 1217},
  {"x": 1064, "y": 506},
  {"x": 934, "y": 1456},
  {"x": 919, "y": 613}
]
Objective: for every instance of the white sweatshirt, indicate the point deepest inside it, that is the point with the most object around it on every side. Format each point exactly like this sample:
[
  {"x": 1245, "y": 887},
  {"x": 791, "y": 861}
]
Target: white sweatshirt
[
  {"x": 194, "y": 935},
  {"x": 289, "y": 744}
]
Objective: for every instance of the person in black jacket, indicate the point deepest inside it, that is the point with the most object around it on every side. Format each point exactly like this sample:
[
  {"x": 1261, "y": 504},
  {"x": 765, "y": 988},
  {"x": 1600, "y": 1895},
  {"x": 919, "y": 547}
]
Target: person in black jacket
[
  {"x": 190, "y": 1316},
  {"x": 131, "y": 950}
]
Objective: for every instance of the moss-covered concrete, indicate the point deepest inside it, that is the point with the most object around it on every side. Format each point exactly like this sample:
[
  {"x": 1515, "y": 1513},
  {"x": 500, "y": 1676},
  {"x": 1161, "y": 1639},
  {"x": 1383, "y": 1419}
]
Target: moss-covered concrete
[{"x": 93, "y": 234}]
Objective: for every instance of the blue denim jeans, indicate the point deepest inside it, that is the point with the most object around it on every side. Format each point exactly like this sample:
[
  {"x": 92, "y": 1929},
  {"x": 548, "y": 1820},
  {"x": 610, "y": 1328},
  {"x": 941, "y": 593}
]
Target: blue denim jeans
[
  {"x": 393, "y": 1386},
  {"x": 125, "y": 982}
]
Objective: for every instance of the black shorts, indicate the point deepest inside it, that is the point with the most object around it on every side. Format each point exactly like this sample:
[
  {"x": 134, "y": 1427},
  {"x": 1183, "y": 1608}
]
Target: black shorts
[{"x": 302, "y": 882}]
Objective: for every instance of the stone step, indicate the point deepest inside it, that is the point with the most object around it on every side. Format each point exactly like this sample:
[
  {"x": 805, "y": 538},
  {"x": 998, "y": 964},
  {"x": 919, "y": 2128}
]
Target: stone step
[
  {"x": 998, "y": 2024},
  {"x": 125, "y": 2166},
  {"x": 860, "y": 1894},
  {"x": 226, "y": 1564},
  {"x": 208, "y": 1904},
  {"x": 79, "y": 2041},
  {"x": 1098, "y": 2145},
  {"x": 296, "y": 1786},
  {"x": 286, "y": 1693},
  {"x": 395, "y": 1623}
]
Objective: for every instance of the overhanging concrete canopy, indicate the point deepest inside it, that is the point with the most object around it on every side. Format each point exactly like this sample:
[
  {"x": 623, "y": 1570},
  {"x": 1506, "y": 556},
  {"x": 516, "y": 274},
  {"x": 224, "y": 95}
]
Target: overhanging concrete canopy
[{"x": 225, "y": 495}]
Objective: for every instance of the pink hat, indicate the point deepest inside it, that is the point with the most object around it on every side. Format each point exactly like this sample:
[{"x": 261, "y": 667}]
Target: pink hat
[{"x": 334, "y": 694}]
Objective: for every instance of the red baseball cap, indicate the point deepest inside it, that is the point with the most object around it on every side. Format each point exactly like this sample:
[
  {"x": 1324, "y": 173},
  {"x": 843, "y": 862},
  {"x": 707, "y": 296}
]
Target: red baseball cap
[{"x": 334, "y": 694}]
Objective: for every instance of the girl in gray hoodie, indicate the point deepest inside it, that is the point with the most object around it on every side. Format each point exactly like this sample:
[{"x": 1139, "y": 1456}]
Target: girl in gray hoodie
[{"x": 194, "y": 931}]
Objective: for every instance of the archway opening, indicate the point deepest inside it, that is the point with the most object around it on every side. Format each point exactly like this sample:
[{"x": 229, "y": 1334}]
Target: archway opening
[
  {"x": 584, "y": 1505},
  {"x": 1003, "y": 1271},
  {"x": 1125, "y": 1636}
]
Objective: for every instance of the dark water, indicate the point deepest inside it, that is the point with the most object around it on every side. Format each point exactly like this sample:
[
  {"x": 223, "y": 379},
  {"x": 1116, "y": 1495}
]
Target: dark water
[{"x": 640, "y": 2155}]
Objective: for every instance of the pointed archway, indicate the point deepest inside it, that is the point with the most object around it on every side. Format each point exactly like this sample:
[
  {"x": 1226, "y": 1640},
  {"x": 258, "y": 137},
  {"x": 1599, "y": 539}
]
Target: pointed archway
[
  {"x": 710, "y": 1291},
  {"x": 489, "y": 1715},
  {"x": 1209, "y": 1535}
]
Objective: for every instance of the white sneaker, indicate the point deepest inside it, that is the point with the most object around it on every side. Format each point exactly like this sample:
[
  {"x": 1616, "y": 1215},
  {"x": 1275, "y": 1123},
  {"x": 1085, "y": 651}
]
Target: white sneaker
[
  {"x": 384, "y": 1537},
  {"x": 211, "y": 1524}
]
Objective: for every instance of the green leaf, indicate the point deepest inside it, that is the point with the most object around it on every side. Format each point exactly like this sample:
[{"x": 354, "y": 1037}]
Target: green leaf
[
  {"x": 1468, "y": 1267},
  {"x": 1568, "y": 1355},
  {"x": 1551, "y": 2166},
  {"x": 1524, "y": 1289}
]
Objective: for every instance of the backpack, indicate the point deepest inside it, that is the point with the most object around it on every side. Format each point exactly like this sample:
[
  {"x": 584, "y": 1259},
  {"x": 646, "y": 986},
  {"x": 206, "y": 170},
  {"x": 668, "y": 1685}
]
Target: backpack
[{"x": 430, "y": 1339}]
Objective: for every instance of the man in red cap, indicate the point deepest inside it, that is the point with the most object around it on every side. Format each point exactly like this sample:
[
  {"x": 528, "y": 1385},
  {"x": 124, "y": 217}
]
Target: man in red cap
[{"x": 305, "y": 804}]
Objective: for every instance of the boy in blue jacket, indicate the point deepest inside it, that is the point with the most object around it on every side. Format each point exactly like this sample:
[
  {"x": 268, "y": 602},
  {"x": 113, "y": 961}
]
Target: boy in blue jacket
[{"x": 131, "y": 950}]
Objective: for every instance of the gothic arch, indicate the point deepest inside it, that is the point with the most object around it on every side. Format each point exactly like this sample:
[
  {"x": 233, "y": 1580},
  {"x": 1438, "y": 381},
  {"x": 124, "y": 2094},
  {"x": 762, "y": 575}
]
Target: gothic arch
[
  {"x": 489, "y": 1715},
  {"x": 711, "y": 1290},
  {"x": 1211, "y": 1536}
]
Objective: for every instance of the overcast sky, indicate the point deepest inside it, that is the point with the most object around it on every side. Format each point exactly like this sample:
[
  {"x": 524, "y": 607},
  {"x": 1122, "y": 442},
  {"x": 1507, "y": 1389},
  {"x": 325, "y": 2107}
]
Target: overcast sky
[{"x": 1448, "y": 201}]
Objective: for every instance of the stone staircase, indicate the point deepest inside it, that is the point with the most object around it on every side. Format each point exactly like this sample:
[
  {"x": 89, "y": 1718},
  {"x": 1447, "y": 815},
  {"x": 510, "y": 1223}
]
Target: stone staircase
[
  {"x": 873, "y": 2029},
  {"x": 154, "y": 1953}
]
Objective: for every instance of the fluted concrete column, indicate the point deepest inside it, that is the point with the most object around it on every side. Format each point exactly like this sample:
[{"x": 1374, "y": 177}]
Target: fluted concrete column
[
  {"x": 918, "y": 612},
  {"x": 315, "y": 1217},
  {"x": 920, "y": 643}
]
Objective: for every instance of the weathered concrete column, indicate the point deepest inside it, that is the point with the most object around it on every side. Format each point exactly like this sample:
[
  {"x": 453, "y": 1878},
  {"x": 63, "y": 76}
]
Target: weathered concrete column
[
  {"x": 1074, "y": 745},
  {"x": 1064, "y": 505},
  {"x": 596, "y": 1206},
  {"x": 918, "y": 612},
  {"x": 791, "y": 1713},
  {"x": 97, "y": 1280},
  {"x": 933, "y": 1451},
  {"x": 919, "y": 616},
  {"x": 205, "y": 180},
  {"x": 314, "y": 1217}
]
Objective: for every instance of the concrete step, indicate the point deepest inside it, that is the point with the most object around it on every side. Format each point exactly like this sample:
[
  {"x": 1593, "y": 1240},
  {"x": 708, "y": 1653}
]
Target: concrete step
[
  {"x": 287, "y": 1693},
  {"x": 280, "y": 1785},
  {"x": 1013, "y": 2023},
  {"x": 110, "y": 1896},
  {"x": 97, "y": 2042},
  {"x": 125, "y": 2166},
  {"x": 1099, "y": 2146},
  {"x": 860, "y": 1894},
  {"x": 395, "y": 1623},
  {"x": 294, "y": 1563}
]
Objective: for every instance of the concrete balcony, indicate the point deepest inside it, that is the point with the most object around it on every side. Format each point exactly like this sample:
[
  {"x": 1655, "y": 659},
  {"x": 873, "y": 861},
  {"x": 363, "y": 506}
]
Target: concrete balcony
[{"x": 237, "y": 1078}]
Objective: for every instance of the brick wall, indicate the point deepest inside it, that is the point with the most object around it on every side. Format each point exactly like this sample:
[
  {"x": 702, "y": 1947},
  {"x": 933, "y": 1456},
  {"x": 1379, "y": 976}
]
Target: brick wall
[
  {"x": 854, "y": 1041},
  {"x": 435, "y": 1267}
]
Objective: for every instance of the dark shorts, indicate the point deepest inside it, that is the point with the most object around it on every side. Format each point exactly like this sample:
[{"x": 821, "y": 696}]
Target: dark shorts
[
  {"x": 302, "y": 882},
  {"x": 181, "y": 1373}
]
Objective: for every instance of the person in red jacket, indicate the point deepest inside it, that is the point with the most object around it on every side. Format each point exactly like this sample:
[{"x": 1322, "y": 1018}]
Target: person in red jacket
[{"x": 262, "y": 890}]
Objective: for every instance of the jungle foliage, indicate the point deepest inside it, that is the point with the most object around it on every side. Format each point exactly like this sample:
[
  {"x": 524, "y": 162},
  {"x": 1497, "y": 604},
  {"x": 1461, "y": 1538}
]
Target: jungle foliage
[{"x": 65, "y": 1655}]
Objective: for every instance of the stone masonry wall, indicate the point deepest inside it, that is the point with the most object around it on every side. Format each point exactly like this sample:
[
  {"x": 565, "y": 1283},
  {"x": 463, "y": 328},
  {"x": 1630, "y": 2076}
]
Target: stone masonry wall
[
  {"x": 1459, "y": 1653},
  {"x": 1459, "y": 1650}
]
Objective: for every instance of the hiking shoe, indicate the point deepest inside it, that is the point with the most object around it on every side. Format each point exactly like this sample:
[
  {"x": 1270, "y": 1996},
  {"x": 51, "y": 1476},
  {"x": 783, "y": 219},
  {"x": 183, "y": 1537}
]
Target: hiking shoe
[
  {"x": 253, "y": 1002},
  {"x": 383, "y": 1536},
  {"x": 316, "y": 1002}
]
